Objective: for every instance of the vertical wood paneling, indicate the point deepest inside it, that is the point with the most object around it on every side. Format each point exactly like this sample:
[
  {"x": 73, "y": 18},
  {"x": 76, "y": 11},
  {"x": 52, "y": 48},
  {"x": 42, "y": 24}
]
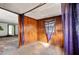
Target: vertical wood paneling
[
  {"x": 30, "y": 30},
  {"x": 57, "y": 37},
  {"x": 41, "y": 31}
]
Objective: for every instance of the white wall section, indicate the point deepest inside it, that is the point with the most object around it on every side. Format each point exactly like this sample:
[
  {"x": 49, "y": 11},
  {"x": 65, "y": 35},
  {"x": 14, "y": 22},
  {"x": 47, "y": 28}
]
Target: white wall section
[
  {"x": 8, "y": 17},
  {"x": 4, "y": 31}
]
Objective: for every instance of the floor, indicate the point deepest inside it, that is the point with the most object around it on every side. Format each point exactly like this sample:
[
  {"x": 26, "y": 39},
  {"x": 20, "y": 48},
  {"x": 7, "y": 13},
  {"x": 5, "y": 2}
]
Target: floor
[
  {"x": 39, "y": 48},
  {"x": 9, "y": 46}
]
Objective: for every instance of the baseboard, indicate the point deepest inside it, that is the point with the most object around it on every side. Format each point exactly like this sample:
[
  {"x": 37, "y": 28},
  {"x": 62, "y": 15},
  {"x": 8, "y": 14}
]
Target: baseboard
[{"x": 9, "y": 36}]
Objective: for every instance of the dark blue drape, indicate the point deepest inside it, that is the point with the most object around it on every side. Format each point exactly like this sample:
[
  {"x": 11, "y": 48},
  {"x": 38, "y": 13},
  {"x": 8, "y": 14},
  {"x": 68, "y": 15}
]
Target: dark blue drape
[
  {"x": 22, "y": 16},
  {"x": 70, "y": 16}
]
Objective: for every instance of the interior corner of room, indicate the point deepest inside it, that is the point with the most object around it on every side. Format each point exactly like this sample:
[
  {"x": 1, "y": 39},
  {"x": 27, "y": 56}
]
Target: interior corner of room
[{"x": 36, "y": 23}]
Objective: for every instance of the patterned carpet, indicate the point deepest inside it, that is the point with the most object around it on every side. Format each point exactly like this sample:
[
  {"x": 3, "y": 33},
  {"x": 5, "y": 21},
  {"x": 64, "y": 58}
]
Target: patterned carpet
[
  {"x": 9, "y": 46},
  {"x": 39, "y": 48}
]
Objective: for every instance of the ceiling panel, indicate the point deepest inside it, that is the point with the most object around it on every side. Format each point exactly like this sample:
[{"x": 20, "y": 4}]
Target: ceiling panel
[
  {"x": 8, "y": 17},
  {"x": 19, "y": 7},
  {"x": 47, "y": 10}
]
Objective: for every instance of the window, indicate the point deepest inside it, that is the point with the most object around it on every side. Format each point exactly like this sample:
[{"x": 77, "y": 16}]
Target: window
[
  {"x": 50, "y": 28},
  {"x": 11, "y": 29}
]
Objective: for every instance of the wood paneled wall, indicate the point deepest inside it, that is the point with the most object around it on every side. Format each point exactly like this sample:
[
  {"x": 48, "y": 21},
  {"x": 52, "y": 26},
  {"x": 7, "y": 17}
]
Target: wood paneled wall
[
  {"x": 41, "y": 31},
  {"x": 35, "y": 31},
  {"x": 27, "y": 30},
  {"x": 57, "y": 37},
  {"x": 30, "y": 30}
]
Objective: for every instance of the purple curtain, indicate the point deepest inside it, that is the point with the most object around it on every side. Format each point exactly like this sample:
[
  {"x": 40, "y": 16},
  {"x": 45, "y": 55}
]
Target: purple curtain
[{"x": 70, "y": 21}]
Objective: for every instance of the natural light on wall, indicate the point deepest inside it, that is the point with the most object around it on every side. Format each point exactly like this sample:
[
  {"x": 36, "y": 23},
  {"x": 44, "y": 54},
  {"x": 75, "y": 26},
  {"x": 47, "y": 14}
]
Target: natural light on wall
[{"x": 8, "y": 17}]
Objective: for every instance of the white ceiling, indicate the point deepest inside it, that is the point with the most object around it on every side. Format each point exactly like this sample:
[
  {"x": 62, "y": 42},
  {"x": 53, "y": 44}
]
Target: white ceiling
[
  {"x": 19, "y": 7},
  {"x": 47, "y": 10}
]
